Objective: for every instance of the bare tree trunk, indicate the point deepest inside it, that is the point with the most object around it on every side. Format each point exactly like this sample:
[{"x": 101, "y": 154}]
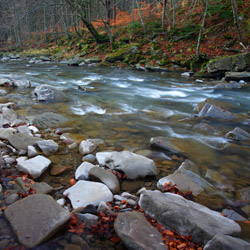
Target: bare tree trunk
[
  {"x": 163, "y": 15},
  {"x": 141, "y": 17},
  {"x": 201, "y": 30},
  {"x": 236, "y": 21},
  {"x": 173, "y": 16}
]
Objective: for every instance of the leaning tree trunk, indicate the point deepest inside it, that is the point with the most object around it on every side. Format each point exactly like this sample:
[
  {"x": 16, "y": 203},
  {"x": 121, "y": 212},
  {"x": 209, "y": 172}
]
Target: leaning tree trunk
[
  {"x": 98, "y": 38},
  {"x": 201, "y": 31}
]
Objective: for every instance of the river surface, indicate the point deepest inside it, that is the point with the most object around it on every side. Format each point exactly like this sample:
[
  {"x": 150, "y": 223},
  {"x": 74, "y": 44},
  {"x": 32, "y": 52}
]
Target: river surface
[{"x": 126, "y": 108}]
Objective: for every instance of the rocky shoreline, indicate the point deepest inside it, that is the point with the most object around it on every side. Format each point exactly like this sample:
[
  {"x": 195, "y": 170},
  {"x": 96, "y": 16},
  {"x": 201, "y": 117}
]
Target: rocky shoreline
[{"x": 94, "y": 202}]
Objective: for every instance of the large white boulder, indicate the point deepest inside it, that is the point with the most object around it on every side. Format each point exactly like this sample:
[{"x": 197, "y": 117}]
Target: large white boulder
[
  {"x": 34, "y": 166},
  {"x": 84, "y": 193},
  {"x": 133, "y": 165}
]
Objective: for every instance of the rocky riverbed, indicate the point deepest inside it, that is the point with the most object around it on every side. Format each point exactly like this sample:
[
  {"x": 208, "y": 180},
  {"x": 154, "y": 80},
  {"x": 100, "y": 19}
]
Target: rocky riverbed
[{"x": 61, "y": 189}]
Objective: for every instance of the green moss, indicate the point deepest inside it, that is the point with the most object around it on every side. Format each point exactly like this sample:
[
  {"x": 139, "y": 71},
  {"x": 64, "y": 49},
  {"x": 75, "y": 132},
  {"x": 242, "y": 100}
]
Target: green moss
[{"x": 121, "y": 53}]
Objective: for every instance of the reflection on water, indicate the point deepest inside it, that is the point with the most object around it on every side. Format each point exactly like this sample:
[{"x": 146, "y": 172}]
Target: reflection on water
[{"x": 126, "y": 108}]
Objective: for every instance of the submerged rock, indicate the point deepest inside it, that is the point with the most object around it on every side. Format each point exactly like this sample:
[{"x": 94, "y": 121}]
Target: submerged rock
[
  {"x": 84, "y": 193},
  {"x": 41, "y": 215},
  {"x": 47, "y": 93},
  {"x": 244, "y": 194},
  {"x": 186, "y": 180},
  {"x": 49, "y": 120},
  {"x": 226, "y": 242},
  {"x": 164, "y": 143},
  {"x": 230, "y": 85},
  {"x": 137, "y": 233},
  {"x": 186, "y": 217},
  {"x": 34, "y": 166},
  {"x": 206, "y": 129},
  {"x": 238, "y": 134},
  {"x": 133, "y": 165}
]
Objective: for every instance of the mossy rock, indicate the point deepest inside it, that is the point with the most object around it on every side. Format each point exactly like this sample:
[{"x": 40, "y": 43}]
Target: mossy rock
[
  {"x": 85, "y": 47},
  {"x": 121, "y": 53},
  {"x": 235, "y": 63}
]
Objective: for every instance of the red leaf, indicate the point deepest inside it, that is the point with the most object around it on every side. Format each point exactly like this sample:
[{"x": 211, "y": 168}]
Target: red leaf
[{"x": 115, "y": 239}]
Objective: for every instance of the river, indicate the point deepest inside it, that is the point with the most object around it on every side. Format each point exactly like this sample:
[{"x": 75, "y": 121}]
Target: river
[{"x": 126, "y": 108}]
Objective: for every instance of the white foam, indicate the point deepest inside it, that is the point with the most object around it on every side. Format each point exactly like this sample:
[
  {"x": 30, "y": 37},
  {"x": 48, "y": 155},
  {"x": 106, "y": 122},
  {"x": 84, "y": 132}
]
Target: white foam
[
  {"x": 32, "y": 73},
  {"x": 135, "y": 79},
  {"x": 89, "y": 109},
  {"x": 154, "y": 93},
  {"x": 95, "y": 109},
  {"x": 123, "y": 85}
]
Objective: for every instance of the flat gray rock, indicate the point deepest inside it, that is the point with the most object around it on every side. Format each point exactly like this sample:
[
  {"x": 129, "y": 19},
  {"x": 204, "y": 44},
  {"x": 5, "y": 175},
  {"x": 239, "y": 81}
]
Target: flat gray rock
[
  {"x": 36, "y": 218},
  {"x": 133, "y": 165},
  {"x": 24, "y": 129},
  {"x": 7, "y": 116},
  {"x": 186, "y": 217},
  {"x": 39, "y": 187},
  {"x": 34, "y": 166},
  {"x": 215, "y": 112},
  {"x": 47, "y": 146},
  {"x": 84, "y": 193},
  {"x": 237, "y": 76},
  {"x": 22, "y": 140},
  {"x": 226, "y": 242},
  {"x": 137, "y": 233},
  {"x": 49, "y": 120},
  {"x": 109, "y": 179}
]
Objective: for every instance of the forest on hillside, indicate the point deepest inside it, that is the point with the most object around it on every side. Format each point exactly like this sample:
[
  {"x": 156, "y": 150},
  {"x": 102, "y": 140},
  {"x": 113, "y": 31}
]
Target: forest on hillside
[{"x": 23, "y": 20}]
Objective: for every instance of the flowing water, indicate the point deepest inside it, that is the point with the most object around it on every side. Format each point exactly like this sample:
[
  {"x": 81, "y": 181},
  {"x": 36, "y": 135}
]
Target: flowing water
[{"x": 126, "y": 108}]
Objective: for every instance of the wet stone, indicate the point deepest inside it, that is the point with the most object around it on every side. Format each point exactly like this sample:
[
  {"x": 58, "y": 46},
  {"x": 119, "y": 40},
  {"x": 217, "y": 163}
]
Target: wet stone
[
  {"x": 72, "y": 247},
  {"x": 77, "y": 240},
  {"x": 4, "y": 243},
  {"x": 11, "y": 199},
  {"x": 89, "y": 219},
  {"x": 226, "y": 242},
  {"x": 137, "y": 233},
  {"x": 59, "y": 169},
  {"x": 186, "y": 217}
]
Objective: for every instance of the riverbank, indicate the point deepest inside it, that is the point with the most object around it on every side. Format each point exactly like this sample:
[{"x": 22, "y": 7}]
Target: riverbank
[{"x": 63, "y": 153}]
